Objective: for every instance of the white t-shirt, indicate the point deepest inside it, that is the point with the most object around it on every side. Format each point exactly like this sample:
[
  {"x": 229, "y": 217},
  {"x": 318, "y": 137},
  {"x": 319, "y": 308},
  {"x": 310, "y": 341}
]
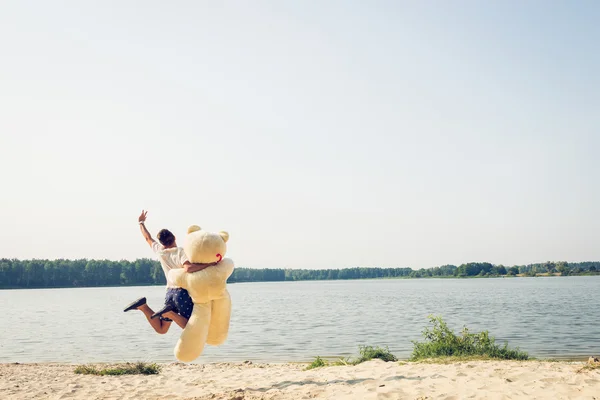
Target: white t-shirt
[{"x": 171, "y": 258}]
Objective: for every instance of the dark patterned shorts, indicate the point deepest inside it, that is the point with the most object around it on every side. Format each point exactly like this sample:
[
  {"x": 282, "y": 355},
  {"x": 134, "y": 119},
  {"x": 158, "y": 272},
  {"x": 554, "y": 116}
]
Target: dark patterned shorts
[{"x": 181, "y": 300}]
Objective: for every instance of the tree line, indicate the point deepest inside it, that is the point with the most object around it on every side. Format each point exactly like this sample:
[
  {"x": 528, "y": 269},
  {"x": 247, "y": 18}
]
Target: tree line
[{"x": 87, "y": 273}]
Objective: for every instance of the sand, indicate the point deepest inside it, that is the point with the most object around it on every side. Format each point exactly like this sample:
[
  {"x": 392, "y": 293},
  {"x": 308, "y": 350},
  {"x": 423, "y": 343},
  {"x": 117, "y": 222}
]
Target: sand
[{"x": 371, "y": 380}]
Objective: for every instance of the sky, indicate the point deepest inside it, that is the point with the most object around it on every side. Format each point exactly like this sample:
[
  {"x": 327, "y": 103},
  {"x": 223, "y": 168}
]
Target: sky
[{"x": 319, "y": 134}]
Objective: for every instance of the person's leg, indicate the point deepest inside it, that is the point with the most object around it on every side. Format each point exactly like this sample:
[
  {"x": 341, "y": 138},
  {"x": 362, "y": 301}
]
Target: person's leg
[
  {"x": 136, "y": 304},
  {"x": 179, "y": 320},
  {"x": 159, "y": 325},
  {"x": 178, "y": 307}
]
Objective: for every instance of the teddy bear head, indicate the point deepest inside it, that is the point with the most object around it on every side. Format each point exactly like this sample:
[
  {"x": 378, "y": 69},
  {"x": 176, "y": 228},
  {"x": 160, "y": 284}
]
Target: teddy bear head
[{"x": 203, "y": 247}]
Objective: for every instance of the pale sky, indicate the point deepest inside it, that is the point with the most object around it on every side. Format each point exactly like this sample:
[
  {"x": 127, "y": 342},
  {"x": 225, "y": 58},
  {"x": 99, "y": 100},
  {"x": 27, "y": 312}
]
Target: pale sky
[{"x": 319, "y": 134}]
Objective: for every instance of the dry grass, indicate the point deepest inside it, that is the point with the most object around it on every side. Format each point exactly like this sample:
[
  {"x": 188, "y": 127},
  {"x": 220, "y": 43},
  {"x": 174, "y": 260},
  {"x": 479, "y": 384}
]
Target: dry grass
[
  {"x": 589, "y": 367},
  {"x": 139, "y": 368}
]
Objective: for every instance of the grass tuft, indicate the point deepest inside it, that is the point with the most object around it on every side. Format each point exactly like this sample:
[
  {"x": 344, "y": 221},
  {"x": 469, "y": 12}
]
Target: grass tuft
[
  {"x": 139, "y": 368},
  {"x": 317, "y": 363},
  {"x": 441, "y": 341},
  {"x": 453, "y": 359},
  {"x": 343, "y": 361},
  {"x": 366, "y": 353}
]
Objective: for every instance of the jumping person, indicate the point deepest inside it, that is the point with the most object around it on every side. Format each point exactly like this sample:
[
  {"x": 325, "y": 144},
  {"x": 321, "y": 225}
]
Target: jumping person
[{"x": 178, "y": 303}]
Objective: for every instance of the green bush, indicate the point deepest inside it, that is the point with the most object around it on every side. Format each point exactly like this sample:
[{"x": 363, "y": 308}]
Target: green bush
[
  {"x": 441, "y": 341},
  {"x": 369, "y": 352},
  {"x": 139, "y": 368}
]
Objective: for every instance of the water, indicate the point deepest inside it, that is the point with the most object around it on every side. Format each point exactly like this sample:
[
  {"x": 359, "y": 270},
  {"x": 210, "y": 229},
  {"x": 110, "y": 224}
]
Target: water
[{"x": 295, "y": 321}]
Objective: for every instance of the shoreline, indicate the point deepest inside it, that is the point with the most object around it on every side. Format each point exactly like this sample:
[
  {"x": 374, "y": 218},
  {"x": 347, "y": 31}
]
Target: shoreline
[
  {"x": 374, "y": 379},
  {"x": 331, "y": 359}
]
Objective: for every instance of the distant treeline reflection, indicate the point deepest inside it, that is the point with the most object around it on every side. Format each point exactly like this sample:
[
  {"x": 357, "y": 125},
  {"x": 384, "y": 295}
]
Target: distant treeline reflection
[{"x": 85, "y": 273}]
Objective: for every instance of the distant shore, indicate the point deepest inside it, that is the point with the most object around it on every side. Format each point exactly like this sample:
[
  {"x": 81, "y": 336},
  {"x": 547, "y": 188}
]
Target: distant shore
[
  {"x": 38, "y": 274},
  {"x": 370, "y": 380},
  {"x": 540, "y": 275}
]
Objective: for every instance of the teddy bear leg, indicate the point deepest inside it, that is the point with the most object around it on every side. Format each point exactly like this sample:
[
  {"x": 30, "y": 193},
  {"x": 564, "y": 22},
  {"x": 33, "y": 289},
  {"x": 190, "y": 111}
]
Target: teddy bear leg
[
  {"x": 219, "y": 322},
  {"x": 192, "y": 339}
]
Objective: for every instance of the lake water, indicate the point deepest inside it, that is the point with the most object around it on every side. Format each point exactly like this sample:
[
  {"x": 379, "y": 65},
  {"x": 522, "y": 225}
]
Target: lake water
[{"x": 295, "y": 321}]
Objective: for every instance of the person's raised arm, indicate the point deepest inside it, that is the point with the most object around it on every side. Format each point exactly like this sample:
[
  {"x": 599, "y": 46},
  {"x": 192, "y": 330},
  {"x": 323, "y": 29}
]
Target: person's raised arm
[{"x": 145, "y": 233}]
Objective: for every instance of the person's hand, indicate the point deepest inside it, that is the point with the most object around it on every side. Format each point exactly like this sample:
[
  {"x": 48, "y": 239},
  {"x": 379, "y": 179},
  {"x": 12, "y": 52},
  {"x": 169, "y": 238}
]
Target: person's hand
[{"x": 142, "y": 217}]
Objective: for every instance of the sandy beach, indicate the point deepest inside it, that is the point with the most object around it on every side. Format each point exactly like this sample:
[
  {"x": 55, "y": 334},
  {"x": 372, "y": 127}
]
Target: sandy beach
[{"x": 371, "y": 380}]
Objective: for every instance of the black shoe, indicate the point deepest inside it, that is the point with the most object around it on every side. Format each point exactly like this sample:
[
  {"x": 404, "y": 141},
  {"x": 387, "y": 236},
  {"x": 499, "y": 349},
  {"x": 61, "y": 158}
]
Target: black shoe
[
  {"x": 135, "y": 304},
  {"x": 163, "y": 310}
]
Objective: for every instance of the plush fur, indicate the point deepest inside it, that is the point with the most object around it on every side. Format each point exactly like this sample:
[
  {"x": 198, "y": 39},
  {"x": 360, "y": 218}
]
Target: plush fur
[{"x": 209, "y": 322}]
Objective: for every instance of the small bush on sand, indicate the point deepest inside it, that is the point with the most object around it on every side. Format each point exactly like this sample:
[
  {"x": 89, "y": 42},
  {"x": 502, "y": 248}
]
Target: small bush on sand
[
  {"x": 441, "y": 341},
  {"x": 369, "y": 352},
  {"x": 366, "y": 353},
  {"x": 139, "y": 368},
  {"x": 317, "y": 363}
]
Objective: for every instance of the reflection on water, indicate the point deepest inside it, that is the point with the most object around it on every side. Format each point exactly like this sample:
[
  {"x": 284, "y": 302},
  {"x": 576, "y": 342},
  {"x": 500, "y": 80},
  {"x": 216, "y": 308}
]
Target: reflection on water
[{"x": 295, "y": 321}]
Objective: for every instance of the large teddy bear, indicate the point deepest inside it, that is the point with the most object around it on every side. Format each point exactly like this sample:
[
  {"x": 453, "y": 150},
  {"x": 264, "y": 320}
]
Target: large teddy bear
[{"x": 209, "y": 322}]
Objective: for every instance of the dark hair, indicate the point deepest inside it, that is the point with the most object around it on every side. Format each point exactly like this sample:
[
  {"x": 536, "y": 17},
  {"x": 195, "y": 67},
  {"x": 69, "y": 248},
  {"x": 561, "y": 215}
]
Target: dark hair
[{"x": 165, "y": 237}]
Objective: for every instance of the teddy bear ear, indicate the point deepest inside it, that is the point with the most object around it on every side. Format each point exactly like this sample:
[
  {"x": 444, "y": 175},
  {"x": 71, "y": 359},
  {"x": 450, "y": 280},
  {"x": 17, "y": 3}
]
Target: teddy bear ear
[
  {"x": 224, "y": 236},
  {"x": 193, "y": 228}
]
